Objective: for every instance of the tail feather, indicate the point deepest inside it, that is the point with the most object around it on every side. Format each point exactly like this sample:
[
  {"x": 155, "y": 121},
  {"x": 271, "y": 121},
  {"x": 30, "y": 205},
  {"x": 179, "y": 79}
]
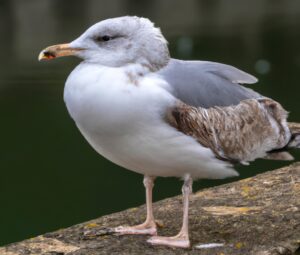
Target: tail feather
[
  {"x": 279, "y": 155},
  {"x": 295, "y": 138},
  {"x": 295, "y": 141},
  {"x": 283, "y": 154}
]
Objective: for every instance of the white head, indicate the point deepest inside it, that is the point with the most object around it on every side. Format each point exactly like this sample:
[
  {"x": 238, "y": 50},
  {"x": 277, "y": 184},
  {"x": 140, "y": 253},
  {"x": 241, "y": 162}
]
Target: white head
[{"x": 117, "y": 42}]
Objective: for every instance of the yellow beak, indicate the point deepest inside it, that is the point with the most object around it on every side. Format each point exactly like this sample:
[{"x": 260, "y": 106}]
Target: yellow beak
[{"x": 60, "y": 50}]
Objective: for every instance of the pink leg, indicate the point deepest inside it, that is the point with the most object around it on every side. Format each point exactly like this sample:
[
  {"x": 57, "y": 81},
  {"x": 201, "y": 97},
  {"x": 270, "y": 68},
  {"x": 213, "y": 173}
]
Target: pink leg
[
  {"x": 181, "y": 240},
  {"x": 149, "y": 226}
]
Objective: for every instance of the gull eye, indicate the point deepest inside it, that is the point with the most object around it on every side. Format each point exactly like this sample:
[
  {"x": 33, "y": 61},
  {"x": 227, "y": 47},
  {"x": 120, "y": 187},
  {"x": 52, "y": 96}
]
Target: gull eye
[{"x": 104, "y": 38}]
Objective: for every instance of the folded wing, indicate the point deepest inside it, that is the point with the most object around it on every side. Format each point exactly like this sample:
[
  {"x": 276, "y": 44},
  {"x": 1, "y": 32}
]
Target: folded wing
[{"x": 238, "y": 134}]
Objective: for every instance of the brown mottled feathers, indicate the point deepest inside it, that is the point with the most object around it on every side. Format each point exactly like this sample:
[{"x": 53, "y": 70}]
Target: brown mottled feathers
[{"x": 238, "y": 133}]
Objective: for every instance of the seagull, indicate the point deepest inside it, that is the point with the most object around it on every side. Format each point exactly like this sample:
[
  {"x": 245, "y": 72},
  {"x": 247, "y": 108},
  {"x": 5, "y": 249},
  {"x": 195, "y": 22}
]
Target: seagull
[{"x": 162, "y": 117}]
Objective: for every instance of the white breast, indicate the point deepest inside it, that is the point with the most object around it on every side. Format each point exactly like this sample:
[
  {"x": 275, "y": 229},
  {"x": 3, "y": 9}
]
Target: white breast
[
  {"x": 103, "y": 98},
  {"x": 124, "y": 122}
]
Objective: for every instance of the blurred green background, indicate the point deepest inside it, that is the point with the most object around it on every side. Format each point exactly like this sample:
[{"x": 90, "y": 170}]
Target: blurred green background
[{"x": 50, "y": 177}]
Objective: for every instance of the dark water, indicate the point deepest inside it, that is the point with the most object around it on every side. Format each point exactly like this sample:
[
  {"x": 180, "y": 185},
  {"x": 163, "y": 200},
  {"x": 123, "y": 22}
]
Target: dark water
[{"x": 50, "y": 177}]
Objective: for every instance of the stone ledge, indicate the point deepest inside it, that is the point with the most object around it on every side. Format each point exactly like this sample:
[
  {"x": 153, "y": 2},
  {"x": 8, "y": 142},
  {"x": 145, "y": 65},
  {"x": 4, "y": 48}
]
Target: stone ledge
[{"x": 258, "y": 215}]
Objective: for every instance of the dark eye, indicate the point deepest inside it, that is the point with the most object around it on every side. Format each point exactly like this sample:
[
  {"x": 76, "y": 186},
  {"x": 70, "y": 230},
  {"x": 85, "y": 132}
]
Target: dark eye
[{"x": 104, "y": 38}]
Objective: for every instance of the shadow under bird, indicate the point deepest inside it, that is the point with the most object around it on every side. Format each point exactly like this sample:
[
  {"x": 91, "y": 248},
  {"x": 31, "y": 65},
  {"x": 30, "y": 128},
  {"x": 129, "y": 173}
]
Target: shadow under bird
[{"x": 160, "y": 116}]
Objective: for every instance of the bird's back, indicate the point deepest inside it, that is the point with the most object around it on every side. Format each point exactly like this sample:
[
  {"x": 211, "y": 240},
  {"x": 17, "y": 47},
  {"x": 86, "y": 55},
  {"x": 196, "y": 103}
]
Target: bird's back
[{"x": 207, "y": 84}]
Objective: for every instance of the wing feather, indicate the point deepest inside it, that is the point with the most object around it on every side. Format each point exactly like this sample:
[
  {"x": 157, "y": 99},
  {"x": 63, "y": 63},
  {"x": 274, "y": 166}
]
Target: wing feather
[{"x": 238, "y": 133}]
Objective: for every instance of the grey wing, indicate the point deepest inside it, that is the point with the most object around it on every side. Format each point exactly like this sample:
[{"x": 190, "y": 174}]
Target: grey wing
[{"x": 207, "y": 84}]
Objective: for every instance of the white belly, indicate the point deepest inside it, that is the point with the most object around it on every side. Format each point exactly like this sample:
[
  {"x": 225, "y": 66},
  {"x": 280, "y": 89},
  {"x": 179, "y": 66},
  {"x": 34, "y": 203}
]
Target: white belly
[
  {"x": 162, "y": 152},
  {"x": 125, "y": 124}
]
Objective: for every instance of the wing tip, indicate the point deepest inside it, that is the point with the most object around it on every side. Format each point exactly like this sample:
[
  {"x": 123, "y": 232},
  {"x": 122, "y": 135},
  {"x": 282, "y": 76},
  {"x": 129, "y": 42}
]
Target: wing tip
[{"x": 250, "y": 79}]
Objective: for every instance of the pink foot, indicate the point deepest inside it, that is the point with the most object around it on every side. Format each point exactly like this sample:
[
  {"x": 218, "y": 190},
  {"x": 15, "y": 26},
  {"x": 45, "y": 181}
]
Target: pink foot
[
  {"x": 174, "y": 241},
  {"x": 142, "y": 229}
]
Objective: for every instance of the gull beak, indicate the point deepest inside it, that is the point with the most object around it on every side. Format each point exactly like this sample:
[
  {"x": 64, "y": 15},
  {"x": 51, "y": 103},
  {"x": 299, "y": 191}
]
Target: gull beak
[{"x": 59, "y": 50}]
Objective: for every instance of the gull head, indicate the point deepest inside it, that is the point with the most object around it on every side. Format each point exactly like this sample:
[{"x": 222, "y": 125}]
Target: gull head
[{"x": 117, "y": 42}]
